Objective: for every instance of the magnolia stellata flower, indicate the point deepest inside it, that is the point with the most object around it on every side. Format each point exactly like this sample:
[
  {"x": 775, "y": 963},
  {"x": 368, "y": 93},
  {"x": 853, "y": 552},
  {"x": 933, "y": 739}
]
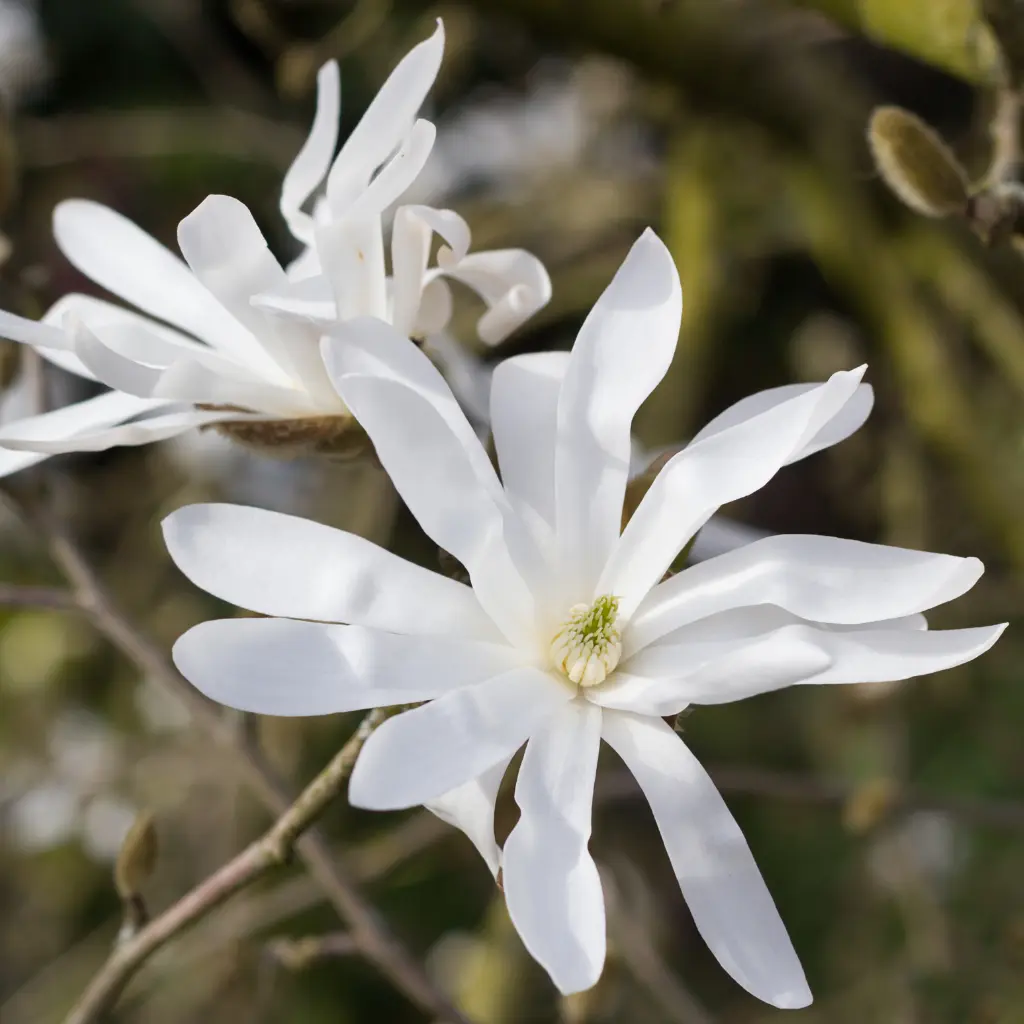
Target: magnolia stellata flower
[
  {"x": 569, "y": 632},
  {"x": 230, "y": 356},
  {"x": 341, "y": 273}
]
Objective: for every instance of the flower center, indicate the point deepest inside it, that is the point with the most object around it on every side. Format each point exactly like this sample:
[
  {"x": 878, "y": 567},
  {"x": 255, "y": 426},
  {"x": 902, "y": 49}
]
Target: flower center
[{"x": 588, "y": 646}]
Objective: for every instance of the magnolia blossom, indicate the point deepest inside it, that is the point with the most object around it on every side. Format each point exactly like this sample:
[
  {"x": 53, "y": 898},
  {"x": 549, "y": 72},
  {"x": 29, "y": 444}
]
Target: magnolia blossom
[
  {"x": 229, "y": 337},
  {"x": 570, "y": 632}
]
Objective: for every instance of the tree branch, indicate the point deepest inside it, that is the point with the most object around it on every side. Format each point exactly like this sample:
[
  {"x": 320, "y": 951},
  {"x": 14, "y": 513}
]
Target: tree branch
[
  {"x": 13, "y": 595},
  {"x": 274, "y": 848},
  {"x": 369, "y": 931}
]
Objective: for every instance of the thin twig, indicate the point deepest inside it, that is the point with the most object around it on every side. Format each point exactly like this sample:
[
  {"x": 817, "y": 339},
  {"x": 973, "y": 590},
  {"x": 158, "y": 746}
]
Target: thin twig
[
  {"x": 272, "y": 849},
  {"x": 298, "y": 954},
  {"x": 369, "y": 930},
  {"x": 13, "y": 595}
]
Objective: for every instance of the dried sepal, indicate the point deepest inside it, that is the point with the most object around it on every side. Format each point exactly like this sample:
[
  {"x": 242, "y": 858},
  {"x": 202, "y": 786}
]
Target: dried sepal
[
  {"x": 337, "y": 436},
  {"x": 916, "y": 164},
  {"x": 137, "y": 858}
]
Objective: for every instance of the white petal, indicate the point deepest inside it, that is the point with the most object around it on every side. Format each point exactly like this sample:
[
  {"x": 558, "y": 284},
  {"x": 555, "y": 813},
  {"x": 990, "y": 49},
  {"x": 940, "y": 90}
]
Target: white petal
[
  {"x": 620, "y": 354},
  {"x": 397, "y": 174},
  {"x": 13, "y": 462},
  {"x": 551, "y": 883},
  {"x": 430, "y": 470},
  {"x": 846, "y": 421},
  {"x": 468, "y": 376},
  {"x": 352, "y": 254},
  {"x": 47, "y": 337},
  {"x": 310, "y": 166},
  {"x": 32, "y": 332},
  {"x": 470, "y": 807},
  {"x": 412, "y": 234},
  {"x": 435, "y": 309},
  {"x": 196, "y": 383},
  {"x": 112, "y": 368},
  {"x": 437, "y": 464},
  {"x": 524, "y": 420},
  {"x": 728, "y": 465},
  {"x": 424, "y": 753},
  {"x": 227, "y": 252},
  {"x": 385, "y": 123},
  {"x": 288, "y": 667},
  {"x": 310, "y": 299},
  {"x": 122, "y": 258},
  {"x": 727, "y": 897},
  {"x": 824, "y": 579},
  {"x": 277, "y": 564},
  {"x": 63, "y": 430},
  {"x": 664, "y": 678},
  {"x": 513, "y": 283},
  {"x": 28, "y": 436}
]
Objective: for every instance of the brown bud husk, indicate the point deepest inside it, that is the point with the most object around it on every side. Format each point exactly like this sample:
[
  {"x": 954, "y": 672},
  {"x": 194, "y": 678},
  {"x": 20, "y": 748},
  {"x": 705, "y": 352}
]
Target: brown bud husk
[
  {"x": 340, "y": 437},
  {"x": 916, "y": 164},
  {"x": 137, "y": 858}
]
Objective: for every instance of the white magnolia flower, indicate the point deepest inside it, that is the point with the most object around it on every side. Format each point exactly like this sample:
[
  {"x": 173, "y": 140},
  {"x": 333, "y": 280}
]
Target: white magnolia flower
[
  {"x": 221, "y": 341},
  {"x": 341, "y": 273},
  {"x": 570, "y": 633}
]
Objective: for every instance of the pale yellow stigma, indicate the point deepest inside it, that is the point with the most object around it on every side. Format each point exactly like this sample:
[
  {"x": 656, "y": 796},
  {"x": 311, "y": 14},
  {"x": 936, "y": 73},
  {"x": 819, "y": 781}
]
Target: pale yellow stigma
[{"x": 588, "y": 646}]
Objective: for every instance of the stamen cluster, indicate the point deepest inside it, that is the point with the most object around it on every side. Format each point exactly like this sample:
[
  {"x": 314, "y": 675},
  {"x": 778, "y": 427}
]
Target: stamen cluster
[{"x": 588, "y": 646}]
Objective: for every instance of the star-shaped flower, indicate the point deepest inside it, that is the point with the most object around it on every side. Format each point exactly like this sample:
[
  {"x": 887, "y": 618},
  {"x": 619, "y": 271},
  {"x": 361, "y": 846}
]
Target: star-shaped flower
[
  {"x": 570, "y": 632},
  {"x": 231, "y": 338}
]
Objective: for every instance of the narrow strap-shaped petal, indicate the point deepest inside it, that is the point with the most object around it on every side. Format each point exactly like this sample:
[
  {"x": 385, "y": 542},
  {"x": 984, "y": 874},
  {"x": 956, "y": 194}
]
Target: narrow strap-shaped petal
[
  {"x": 551, "y": 883},
  {"x": 194, "y": 382},
  {"x": 848, "y": 420},
  {"x": 438, "y": 465},
  {"x": 412, "y": 234},
  {"x": 385, "y": 123},
  {"x": 424, "y": 753},
  {"x": 32, "y": 332},
  {"x": 284, "y": 565},
  {"x": 723, "y": 467},
  {"x": 351, "y": 251},
  {"x": 397, "y": 174},
  {"x": 313, "y": 161},
  {"x": 122, "y": 258},
  {"x": 60, "y": 427},
  {"x": 826, "y": 579},
  {"x": 48, "y": 337},
  {"x": 288, "y": 667},
  {"x": 524, "y": 421},
  {"x": 52, "y": 436},
  {"x": 513, "y": 283},
  {"x": 663, "y": 679},
  {"x": 470, "y": 808},
  {"x": 112, "y": 368},
  {"x": 227, "y": 252},
  {"x": 620, "y": 354},
  {"x": 727, "y": 897},
  {"x": 429, "y": 466}
]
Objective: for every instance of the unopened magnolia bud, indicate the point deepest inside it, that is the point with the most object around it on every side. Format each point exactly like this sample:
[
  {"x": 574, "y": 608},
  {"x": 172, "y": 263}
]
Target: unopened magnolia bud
[
  {"x": 137, "y": 858},
  {"x": 916, "y": 164}
]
